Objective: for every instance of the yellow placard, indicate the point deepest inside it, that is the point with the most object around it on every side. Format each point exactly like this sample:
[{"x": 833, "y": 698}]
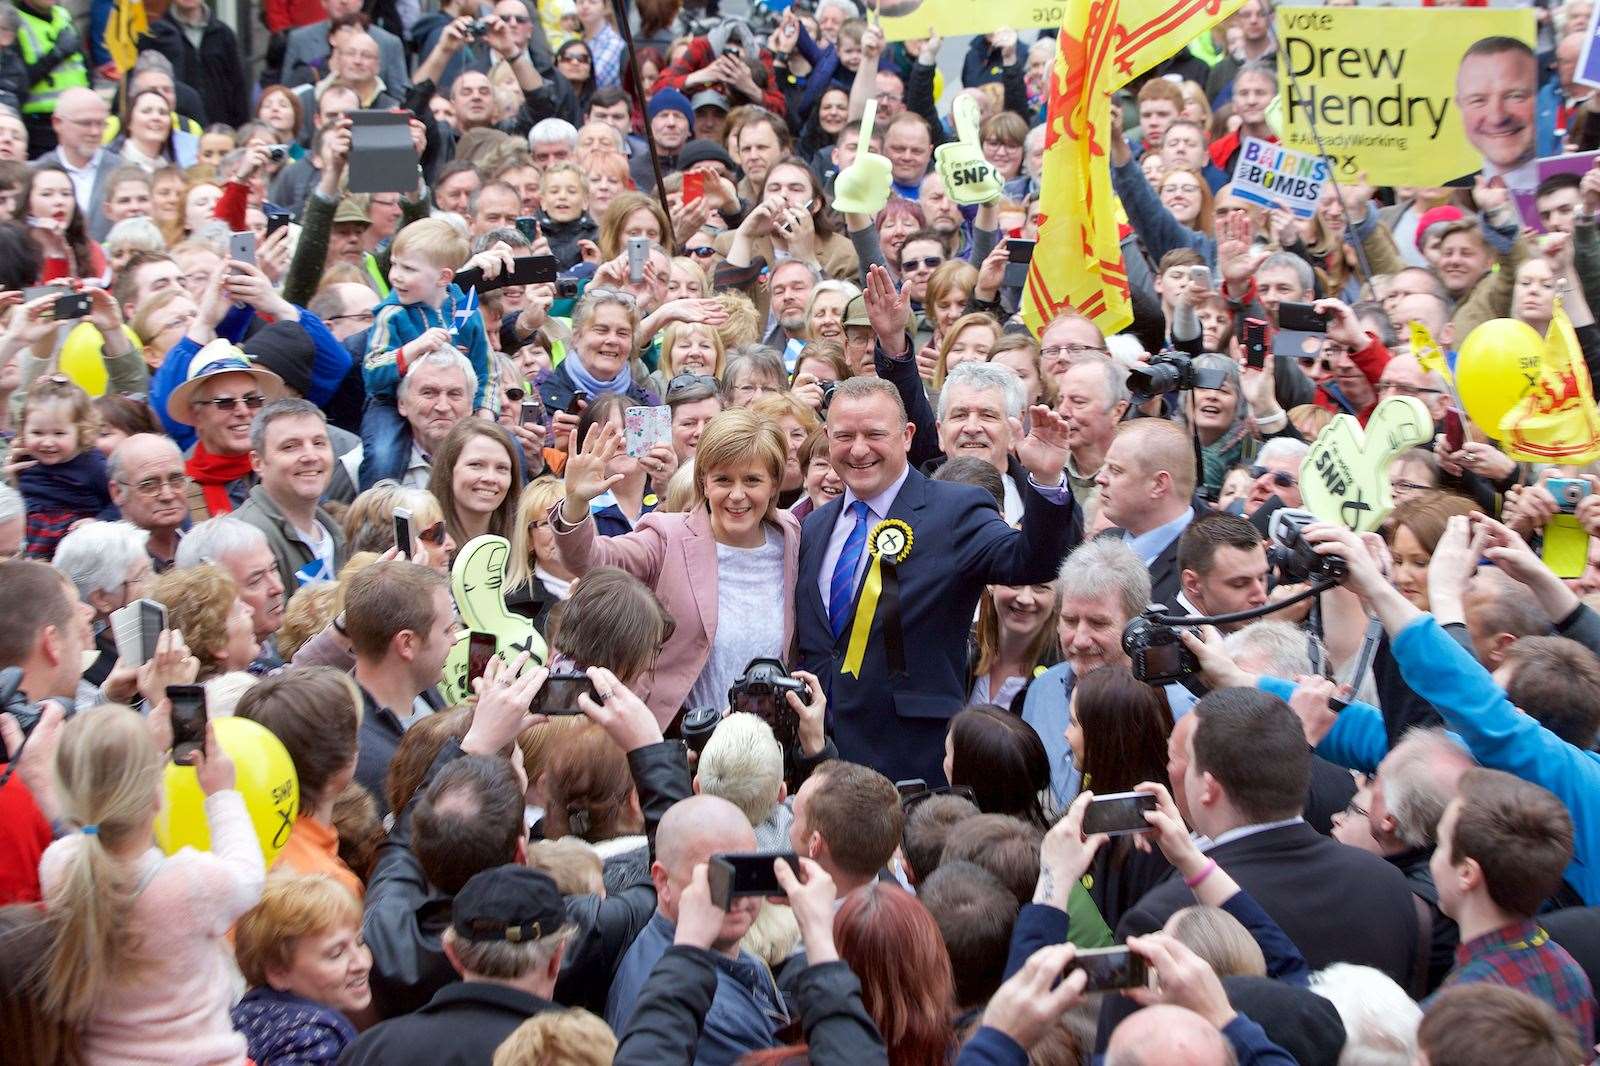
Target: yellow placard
[
  {"x": 910, "y": 20},
  {"x": 1393, "y": 97}
]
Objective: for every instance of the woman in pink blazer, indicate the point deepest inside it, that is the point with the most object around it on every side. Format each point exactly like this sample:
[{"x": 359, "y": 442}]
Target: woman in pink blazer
[{"x": 725, "y": 569}]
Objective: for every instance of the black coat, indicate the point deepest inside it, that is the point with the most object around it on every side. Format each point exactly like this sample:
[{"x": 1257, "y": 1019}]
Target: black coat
[
  {"x": 461, "y": 1025},
  {"x": 1578, "y": 930},
  {"x": 215, "y": 69},
  {"x": 1336, "y": 903}
]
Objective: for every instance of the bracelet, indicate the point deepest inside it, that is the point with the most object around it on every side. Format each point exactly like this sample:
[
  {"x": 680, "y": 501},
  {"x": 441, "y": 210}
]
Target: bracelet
[{"x": 1205, "y": 872}]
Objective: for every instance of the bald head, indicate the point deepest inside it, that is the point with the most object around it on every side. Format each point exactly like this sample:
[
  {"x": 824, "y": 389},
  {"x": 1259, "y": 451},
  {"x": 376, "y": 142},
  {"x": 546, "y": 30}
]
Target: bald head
[
  {"x": 694, "y": 829},
  {"x": 1403, "y": 375},
  {"x": 1165, "y": 1034},
  {"x": 79, "y": 123}
]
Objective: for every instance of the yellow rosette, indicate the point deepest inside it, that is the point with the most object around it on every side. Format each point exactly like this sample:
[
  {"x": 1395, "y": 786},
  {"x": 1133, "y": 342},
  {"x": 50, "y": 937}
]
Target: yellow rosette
[{"x": 889, "y": 543}]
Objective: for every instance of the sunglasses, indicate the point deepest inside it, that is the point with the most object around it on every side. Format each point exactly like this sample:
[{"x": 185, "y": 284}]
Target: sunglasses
[
  {"x": 911, "y": 802},
  {"x": 433, "y": 534},
  {"x": 1279, "y": 478},
  {"x": 684, "y": 382},
  {"x": 573, "y": 57},
  {"x": 705, "y": 251},
  {"x": 514, "y": 394},
  {"x": 252, "y": 400},
  {"x": 931, "y": 262}
]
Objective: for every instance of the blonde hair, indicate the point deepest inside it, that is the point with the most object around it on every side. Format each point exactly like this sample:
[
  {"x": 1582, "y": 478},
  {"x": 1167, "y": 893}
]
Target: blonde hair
[
  {"x": 537, "y": 498},
  {"x": 680, "y": 495},
  {"x": 291, "y": 907},
  {"x": 743, "y": 325},
  {"x": 107, "y": 771},
  {"x": 677, "y": 331},
  {"x": 735, "y": 438},
  {"x": 567, "y": 168},
  {"x": 571, "y": 862},
  {"x": 571, "y": 1037},
  {"x": 976, "y": 318},
  {"x": 683, "y": 262},
  {"x": 772, "y": 937},
  {"x": 306, "y": 614},
  {"x": 775, "y": 405},
  {"x": 1217, "y": 937},
  {"x": 58, "y": 389},
  {"x": 434, "y": 240}
]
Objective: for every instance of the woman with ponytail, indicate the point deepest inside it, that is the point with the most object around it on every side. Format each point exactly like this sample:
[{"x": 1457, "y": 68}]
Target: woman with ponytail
[{"x": 138, "y": 960}]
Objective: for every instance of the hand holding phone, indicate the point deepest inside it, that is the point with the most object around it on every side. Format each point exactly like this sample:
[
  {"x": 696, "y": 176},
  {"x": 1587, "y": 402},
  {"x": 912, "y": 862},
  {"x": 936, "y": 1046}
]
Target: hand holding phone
[
  {"x": 480, "y": 649},
  {"x": 1119, "y": 814},
  {"x": 746, "y": 873},
  {"x": 560, "y": 691},
  {"x": 694, "y": 186},
  {"x": 242, "y": 247},
  {"x": 638, "y": 256}
]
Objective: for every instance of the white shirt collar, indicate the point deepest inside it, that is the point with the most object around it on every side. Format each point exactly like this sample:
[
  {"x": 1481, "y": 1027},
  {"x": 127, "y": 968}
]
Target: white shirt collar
[
  {"x": 879, "y": 504},
  {"x": 1243, "y": 831}
]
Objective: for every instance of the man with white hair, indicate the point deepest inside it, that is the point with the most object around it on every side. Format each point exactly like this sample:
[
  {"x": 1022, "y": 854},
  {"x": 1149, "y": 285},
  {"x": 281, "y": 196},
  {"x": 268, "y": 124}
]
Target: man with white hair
[
  {"x": 743, "y": 764},
  {"x": 1277, "y": 473},
  {"x": 600, "y": 137},
  {"x": 106, "y": 562},
  {"x": 553, "y": 140},
  {"x": 434, "y": 395},
  {"x": 1093, "y": 398},
  {"x": 980, "y": 407},
  {"x": 242, "y": 550}
]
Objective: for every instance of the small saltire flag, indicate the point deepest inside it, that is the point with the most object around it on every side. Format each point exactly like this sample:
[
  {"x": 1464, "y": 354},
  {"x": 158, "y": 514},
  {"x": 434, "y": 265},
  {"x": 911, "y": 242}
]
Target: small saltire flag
[
  {"x": 1104, "y": 44},
  {"x": 1556, "y": 422},
  {"x": 464, "y": 311}
]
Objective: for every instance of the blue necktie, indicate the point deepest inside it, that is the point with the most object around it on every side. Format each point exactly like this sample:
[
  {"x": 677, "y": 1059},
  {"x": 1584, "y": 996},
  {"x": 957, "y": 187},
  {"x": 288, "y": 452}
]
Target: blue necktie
[{"x": 842, "y": 586}]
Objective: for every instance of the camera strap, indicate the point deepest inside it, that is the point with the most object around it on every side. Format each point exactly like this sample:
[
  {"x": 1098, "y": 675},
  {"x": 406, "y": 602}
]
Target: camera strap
[{"x": 1361, "y": 665}]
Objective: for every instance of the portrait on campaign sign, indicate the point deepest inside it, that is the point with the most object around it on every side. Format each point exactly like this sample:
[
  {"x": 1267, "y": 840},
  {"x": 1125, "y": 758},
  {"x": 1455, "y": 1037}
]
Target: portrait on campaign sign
[{"x": 1412, "y": 96}]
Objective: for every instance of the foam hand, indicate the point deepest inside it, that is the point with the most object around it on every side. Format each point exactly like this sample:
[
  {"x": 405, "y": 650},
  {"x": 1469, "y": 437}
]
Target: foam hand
[
  {"x": 863, "y": 186},
  {"x": 477, "y": 582},
  {"x": 1345, "y": 476},
  {"x": 968, "y": 176}
]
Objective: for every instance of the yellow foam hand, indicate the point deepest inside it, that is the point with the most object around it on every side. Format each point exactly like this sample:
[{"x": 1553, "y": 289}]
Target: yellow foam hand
[
  {"x": 1345, "y": 476},
  {"x": 863, "y": 186},
  {"x": 968, "y": 176},
  {"x": 477, "y": 581}
]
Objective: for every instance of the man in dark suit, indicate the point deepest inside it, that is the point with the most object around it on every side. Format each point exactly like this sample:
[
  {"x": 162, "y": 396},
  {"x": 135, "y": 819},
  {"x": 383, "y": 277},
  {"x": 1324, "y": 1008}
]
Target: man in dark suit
[
  {"x": 1245, "y": 785},
  {"x": 1147, "y": 490},
  {"x": 889, "y": 715}
]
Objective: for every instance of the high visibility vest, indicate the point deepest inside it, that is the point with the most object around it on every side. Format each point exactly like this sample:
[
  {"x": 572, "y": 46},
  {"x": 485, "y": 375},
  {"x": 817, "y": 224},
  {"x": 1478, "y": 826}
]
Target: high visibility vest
[
  {"x": 371, "y": 263},
  {"x": 35, "y": 38}
]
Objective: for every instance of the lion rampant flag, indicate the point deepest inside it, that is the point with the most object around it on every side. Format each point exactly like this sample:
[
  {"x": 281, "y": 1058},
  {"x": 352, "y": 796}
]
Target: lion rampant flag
[
  {"x": 127, "y": 24},
  {"x": 1104, "y": 44},
  {"x": 1556, "y": 422}
]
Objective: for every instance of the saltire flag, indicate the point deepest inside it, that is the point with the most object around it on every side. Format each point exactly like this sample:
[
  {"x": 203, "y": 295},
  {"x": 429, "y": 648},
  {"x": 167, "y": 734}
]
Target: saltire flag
[
  {"x": 1104, "y": 44},
  {"x": 1556, "y": 422},
  {"x": 126, "y": 25},
  {"x": 465, "y": 311}
]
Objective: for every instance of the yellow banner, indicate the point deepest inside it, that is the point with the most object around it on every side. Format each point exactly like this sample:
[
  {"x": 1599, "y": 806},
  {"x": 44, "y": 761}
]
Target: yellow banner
[
  {"x": 1395, "y": 94},
  {"x": 910, "y": 20},
  {"x": 1556, "y": 421}
]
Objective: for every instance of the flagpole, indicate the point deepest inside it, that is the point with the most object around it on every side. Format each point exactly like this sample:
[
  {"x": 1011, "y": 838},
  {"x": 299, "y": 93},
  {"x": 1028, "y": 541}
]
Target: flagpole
[{"x": 620, "y": 12}]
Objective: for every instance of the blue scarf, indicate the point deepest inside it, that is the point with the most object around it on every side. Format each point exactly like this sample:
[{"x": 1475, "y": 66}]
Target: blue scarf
[{"x": 591, "y": 384}]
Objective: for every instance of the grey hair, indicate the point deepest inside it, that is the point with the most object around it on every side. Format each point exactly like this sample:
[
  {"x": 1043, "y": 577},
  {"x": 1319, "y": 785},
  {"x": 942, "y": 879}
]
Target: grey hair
[
  {"x": 553, "y": 131},
  {"x": 850, "y": 10},
  {"x": 592, "y": 301},
  {"x": 1116, "y": 377},
  {"x": 149, "y": 59},
  {"x": 289, "y": 407},
  {"x": 501, "y": 960},
  {"x": 743, "y": 763},
  {"x": 1413, "y": 789},
  {"x": 1277, "y": 649},
  {"x": 1259, "y": 67},
  {"x": 1283, "y": 448},
  {"x": 489, "y": 238},
  {"x": 811, "y": 270},
  {"x": 97, "y": 556},
  {"x": 11, "y": 505},
  {"x": 1290, "y": 261},
  {"x": 1106, "y": 570},
  {"x": 138, "y": 233},
  {"x": 616, "y": 134},
  {"x": 986, "y": 377},
  {"x": 751, "y": 357},
  {"x": 1380, "y": 1019},
  {"x": 216, "y": 538},
  {"x": 442, "y": 359},
  {"x": 1230, "y": 372}
]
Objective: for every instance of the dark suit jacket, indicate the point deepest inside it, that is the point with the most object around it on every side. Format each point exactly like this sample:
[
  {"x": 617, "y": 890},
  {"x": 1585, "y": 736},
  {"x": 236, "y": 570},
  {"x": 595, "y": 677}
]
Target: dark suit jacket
[
  {"x": 1336, "y": 903},
  {"x": 897, "y": 724}
]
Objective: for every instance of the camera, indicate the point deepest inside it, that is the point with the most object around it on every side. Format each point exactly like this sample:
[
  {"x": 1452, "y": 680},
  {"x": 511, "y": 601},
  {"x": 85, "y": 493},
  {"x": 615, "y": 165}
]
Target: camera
[
  {"x": 697, "y": 725},
  {"x": 760, "y": 691},
  {"x": 828, "y": 388},
  {"x": 1293, "y": 557},
  {"x": 277, "y": 153},
  {"x": 478, "y": 29},
  {"x": 1157, "y": 654},
  {"x": 1171, "y": 371},
  {"x": 566, "y": 288}
]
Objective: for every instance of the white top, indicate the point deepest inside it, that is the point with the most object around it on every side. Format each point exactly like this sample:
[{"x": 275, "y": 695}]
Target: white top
[
  {"x": 325, "y": 565},
  {"x": 749, "y": 584}
]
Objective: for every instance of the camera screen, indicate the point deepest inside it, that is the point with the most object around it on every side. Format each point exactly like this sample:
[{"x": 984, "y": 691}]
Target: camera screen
[
  {"x": 1163, "y": 660},
  {"x": 1111, "y": 968}
]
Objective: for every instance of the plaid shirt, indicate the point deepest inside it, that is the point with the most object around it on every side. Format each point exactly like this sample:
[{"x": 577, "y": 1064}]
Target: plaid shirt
[
  {"x": 1522, "y": 956},
  {"x": 606, "y": 53}
]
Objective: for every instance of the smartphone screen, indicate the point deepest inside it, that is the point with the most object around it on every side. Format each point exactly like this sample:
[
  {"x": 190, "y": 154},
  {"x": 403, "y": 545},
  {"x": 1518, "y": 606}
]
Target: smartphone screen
[
  {"x": 1110, "y": 968},
  {"x": 560, "y": 691},
  {"x": 402, "y": 531},
  {"x": 152, "y": 620},
  {"x": 694, "y": 186},
  {"x": 1302, "y": 318},
  {"x": 242, "y": 246},
  {"x": 72, "y": 305},
  {"x": 480, "y": 649},
  {"x": 188, "y": 720},
  {"x": 1120, "y": 813},
  {"x": 528, "y": 226},
  {"x": 748, "y": 873},
  {"x": 914, "y": 786},
  {"x": 1019, "y": 253}
]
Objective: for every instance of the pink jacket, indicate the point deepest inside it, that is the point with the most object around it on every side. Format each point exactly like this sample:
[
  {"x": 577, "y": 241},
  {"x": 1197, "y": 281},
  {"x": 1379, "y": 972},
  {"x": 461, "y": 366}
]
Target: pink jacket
[{"x": 676, "y": 555}]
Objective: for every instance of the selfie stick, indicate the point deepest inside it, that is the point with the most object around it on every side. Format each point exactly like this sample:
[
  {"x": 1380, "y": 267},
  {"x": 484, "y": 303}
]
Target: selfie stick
[{"x": 620, "y": 13}]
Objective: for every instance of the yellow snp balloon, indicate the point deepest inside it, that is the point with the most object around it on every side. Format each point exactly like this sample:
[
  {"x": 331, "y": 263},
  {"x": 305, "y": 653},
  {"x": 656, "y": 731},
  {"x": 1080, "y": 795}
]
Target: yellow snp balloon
[
  {"x": 969, "y": 177},
  {"x": 1345, "y": 476}
]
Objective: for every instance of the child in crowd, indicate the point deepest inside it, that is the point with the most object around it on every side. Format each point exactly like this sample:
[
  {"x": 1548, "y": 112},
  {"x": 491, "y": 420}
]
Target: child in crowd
[
  {"x": 425, "y": 311},
  {"x": 564, "y": 217},
  {"x": 64, "y": 481}
]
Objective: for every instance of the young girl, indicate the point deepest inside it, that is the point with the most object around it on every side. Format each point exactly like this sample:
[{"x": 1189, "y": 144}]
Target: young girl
[
  {"x": 49, "y": 208},
  {"x": 65, "y": 479},
  {"x": 138, "y": 961},
  {"x": 564, "y": 218}
]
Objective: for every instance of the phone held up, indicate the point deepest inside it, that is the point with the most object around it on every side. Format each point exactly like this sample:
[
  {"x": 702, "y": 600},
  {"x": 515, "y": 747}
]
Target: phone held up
[
  {"x": 746, "y": 873},
  {"x": 188, "y": 720}
]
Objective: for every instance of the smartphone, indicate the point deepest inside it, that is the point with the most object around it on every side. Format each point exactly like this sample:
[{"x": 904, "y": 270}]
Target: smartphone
[
  {"x": 188, "y": 720},
  {"x": 694, "y": 186},
  {"x": 1568, "y": 491},
  {"x": 1254, "y": 339},
  {"x": 531, "y": 413},
  {"x": 1110, "y": 968},
  {"x": 638, "y": 256},
  {"x": 560, "y": 691},
  {"x": 580, "y": 400},
  {"x": 1302, "y": 318},
  {"x": 1019, "y": 253},
  {"x": 914, "y": 786},
  {"x": 152, "y": 620},
  {"x": 528, "y": 226},
  {"x": 480, "y": 649},
  {"x": 1119, "y": 813},
  {"x": 242, "y": 247},
  {"x": 277, "y": 218},
  {"x": 71, "y": 305},
  {"x": 1455, "y": 434},
  {"x": 136, "y": 628},
  {"x": 402, "y": 530},
  {"x": 1201, "y": 275},
  {"x": 746, "y": 873}
]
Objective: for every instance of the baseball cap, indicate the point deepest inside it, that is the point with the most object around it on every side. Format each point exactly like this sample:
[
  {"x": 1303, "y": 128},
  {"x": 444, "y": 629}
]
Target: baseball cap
[
  {"x": 218, "y": 357},
  {"x": 709, "y": 98},
  {"x": 508, "y": 903},
  {"x": 855, "y": 312}
]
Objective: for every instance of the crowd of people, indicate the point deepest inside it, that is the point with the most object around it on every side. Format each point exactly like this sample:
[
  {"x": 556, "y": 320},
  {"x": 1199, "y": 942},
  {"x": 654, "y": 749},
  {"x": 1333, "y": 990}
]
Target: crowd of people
[{"x": 806, "y": 544}]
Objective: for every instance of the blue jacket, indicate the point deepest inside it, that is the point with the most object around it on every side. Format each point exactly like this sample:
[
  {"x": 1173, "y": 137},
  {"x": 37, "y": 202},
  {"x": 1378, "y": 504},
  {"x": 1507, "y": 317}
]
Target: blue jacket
[
  {"x": 289, "y": 1030},
  {"x": 746, "y": 1011},
  {"x": 396, "y": 324},
  {"x": 1547, "y": 105},
  {"x": 1497, "y": 734}
]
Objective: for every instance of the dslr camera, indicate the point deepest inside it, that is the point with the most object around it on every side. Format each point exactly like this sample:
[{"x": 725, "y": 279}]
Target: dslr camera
[
  {"x": 1170, "y": 371},
  {"x": 1292, "y": 556},
  {"x": 1157, "y": 654},
  {"x": 760, "y": 691},
  {"x": 827, "y": 394}
]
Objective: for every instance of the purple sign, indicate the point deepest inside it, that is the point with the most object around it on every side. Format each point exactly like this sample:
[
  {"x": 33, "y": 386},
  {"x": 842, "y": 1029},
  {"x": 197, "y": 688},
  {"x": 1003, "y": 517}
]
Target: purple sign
[{"x": 1579, "y": 163}]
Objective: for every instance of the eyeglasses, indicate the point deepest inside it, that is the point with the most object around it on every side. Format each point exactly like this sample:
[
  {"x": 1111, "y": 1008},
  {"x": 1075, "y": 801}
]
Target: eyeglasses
[
  {"x": 890, "y": 98},
  {"x": 1068, "y": 351},
  {"x": 1407, "y": 390},
  {"x": 1279, "y": 478},
  {"x": 990, "y": 144},
  {"x": 152, "y": 487},
  {"x": 929, "y": 262},
  {"x": 705, "y": 251},
  {"x": 1355, "y": 810},
  {"x": 1402, "y": 485},
  {"x": 360, "y": 316},
  {"x": 520, "y": 20},
  {"x": 1188, "y": 188},
  {"x": 910, "y": 803},
  {"x": 252, "y": 400},
  {"x": 685, "y": 382}
]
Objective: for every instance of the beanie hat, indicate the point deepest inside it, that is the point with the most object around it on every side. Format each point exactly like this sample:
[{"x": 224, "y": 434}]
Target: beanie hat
[{"x": 669, "y": 100}]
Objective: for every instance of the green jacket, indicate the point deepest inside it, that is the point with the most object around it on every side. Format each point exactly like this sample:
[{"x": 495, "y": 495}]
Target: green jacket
[{"x": 288, "y": 549}]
